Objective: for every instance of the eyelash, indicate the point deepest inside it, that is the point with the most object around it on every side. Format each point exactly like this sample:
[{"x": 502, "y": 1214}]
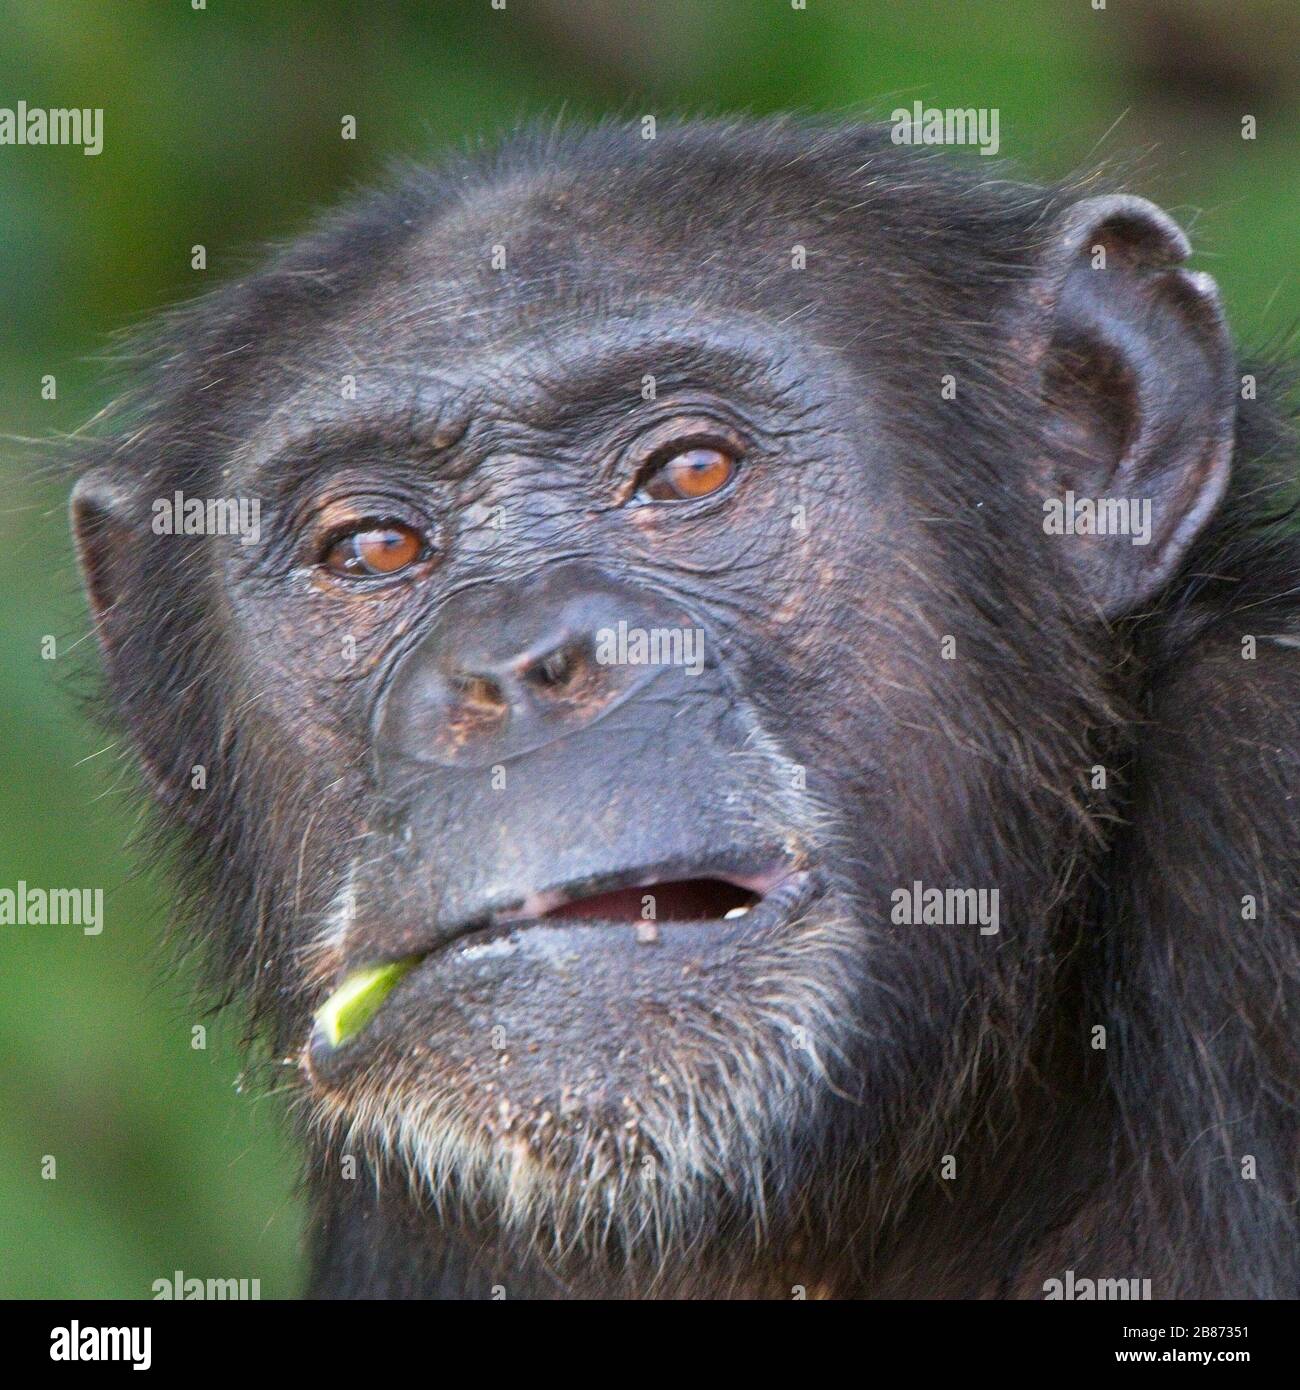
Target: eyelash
[
  {"x": 306, "y": 543},
  {"x": 729, "y": 442},
  {"x": 665, "y": 453}
]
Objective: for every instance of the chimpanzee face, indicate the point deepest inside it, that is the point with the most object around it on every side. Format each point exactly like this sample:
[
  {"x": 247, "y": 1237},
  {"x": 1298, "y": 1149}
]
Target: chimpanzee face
[
  {"x": 643, "y": 618},
  {"x": 574, "y": 599}
]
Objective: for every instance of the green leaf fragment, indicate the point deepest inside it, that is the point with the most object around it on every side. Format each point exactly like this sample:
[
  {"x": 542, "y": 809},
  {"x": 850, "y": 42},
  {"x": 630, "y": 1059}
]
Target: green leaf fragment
[{"x": 347, "y": 1011}]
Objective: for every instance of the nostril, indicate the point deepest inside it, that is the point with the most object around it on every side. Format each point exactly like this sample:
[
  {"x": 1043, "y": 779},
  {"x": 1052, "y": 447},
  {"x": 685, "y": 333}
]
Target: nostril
[
  {"x": 559, "y": 668},
  {"x": 554, "y": 670},
  {"x": 479, "y": 693}
]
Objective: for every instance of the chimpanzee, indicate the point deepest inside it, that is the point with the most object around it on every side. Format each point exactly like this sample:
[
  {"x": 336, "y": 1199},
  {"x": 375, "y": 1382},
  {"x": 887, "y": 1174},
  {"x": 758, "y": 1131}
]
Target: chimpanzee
[{"x": 754, "y": 746}]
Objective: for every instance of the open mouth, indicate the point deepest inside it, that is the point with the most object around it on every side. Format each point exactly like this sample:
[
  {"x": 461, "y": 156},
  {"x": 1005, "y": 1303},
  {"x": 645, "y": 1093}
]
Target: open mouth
[
  {"x": 684, "y": 900},
  {"x": 647, "y": 906}
]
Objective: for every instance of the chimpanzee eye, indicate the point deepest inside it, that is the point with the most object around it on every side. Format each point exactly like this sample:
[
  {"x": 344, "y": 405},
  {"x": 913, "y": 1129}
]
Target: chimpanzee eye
[
  {"x": 692, "y": 473},
  {"x": 374, "y": 548}
]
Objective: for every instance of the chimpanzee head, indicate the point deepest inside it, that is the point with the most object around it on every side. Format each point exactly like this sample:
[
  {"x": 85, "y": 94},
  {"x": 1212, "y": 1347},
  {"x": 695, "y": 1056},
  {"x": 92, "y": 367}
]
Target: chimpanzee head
[{"x": 650, "y": 604}]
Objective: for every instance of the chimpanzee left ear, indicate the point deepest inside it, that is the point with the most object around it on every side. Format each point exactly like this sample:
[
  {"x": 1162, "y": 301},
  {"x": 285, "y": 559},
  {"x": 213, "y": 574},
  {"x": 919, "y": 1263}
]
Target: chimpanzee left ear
[{"x": 1135, "y": 369}]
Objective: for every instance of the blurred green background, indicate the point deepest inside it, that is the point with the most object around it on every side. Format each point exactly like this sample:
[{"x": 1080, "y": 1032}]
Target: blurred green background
[{"x": 222, "y": 127}]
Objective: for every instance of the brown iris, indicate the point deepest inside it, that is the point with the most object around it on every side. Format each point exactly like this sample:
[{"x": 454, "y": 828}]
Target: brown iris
[
  {"x": 693, "y": 473},
  {"x": 374, "y": 548}
]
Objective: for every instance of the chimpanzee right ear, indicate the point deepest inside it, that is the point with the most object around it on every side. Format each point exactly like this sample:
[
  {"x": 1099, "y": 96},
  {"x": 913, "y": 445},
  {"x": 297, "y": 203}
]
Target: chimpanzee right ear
[
  {"x": 106, "y": 529},
  {"x": 1134, "y": 372}
]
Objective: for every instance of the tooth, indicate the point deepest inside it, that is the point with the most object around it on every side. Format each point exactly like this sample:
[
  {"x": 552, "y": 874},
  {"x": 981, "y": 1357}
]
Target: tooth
[
  {"x": 735, "y": 912},
  {"x": 347, "y": 1011}
]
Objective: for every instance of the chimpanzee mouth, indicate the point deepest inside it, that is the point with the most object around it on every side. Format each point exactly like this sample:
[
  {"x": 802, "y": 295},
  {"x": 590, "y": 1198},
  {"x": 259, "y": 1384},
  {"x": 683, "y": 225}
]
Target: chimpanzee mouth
[
  {"x": 641, "y": 911},
  {"x": 682, "y": 900}
]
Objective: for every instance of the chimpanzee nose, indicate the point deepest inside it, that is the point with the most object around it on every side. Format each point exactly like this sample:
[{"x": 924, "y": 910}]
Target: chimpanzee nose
[
  {"x": 558, "y": 666},
  {"x": 513, "y": 665}
]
